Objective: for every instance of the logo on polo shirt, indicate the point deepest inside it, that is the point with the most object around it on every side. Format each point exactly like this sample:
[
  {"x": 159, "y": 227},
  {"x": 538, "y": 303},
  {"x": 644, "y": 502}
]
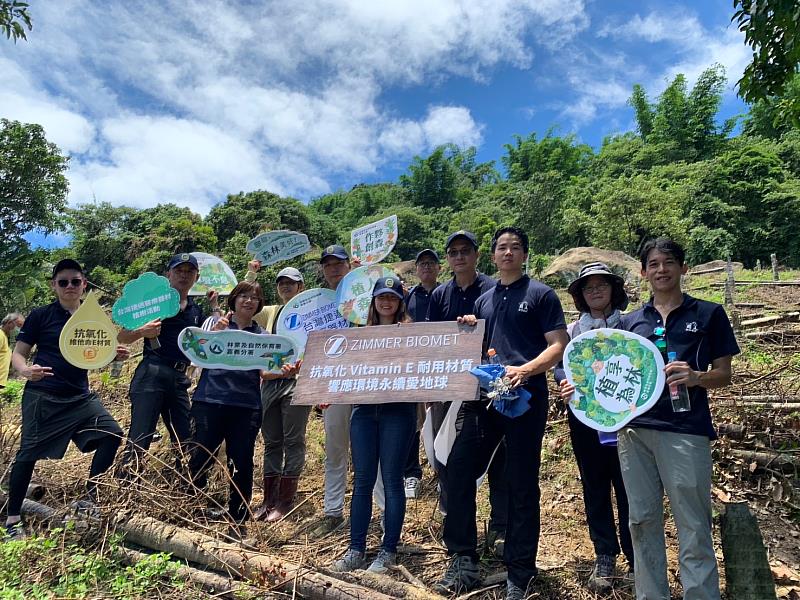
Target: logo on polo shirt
[
  {"x": 523, "y": 307},
  {"x": 692, "y": 326},
  {"x": 335, "y": 346}
]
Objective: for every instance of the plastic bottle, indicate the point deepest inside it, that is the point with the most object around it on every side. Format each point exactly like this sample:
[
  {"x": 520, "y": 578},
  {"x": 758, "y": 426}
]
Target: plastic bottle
[
  {"x": 678, "y": 392},
  {"x": 493, "y": 358}
]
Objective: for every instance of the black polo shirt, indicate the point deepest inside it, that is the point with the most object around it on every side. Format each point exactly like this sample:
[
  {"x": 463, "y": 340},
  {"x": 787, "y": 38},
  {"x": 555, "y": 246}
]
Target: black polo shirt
[
  {"x": 517, "y": 317},
  {"x": 448, "y": 301},
  {"x": 42, "y": 329},
  {"x": 699, "y": 332},
  {"x": 417, "y": 302},
  {"x": 190, "y": 316},
  {"x": 231, "y": 388}
]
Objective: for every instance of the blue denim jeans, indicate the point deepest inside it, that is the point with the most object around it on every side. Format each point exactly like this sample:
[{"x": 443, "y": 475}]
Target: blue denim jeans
[{"x": 380, "y": 433}]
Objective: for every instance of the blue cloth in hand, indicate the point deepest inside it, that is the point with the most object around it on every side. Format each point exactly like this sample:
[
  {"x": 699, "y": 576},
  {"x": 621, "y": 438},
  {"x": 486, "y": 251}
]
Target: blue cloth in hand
[{"x": 510, "y": 405}]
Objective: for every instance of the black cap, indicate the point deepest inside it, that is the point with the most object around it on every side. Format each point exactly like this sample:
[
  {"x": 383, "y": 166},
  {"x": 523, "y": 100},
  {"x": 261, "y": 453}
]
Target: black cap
[
  {"x": 390, "y": 285},
  {"x": 336, "y": 250},
  {"x": 67, "y": 264},
  {"x": 461, "y": 233},
  {"x": 181, "y": 259},
  {"x": 428, "y": 252}
]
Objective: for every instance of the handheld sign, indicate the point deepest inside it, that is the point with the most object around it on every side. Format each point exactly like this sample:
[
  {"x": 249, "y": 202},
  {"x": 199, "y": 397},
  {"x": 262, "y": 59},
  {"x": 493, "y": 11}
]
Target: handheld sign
[
  {"x": 617, "y": 375},
  {"x": 354, "y": 294},
  {"x": 146, "y": 298},
  {"x": 214, "y": 275},
  {"x": 372, "y": 243},
  {"x": 309, "y": 311},
  {"x": 236, "y": 350},
  {"x": 275, "y": 246},
  {"x": 89, "y": 338},
  {"x": 410, "y": 362}
]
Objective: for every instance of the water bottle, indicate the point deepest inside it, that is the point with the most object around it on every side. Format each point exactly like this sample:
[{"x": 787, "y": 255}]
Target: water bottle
[
  {"x": 116, "y": 368},
  {"x": 678, "y": 392},
  {"x": 493, "y": 358}
]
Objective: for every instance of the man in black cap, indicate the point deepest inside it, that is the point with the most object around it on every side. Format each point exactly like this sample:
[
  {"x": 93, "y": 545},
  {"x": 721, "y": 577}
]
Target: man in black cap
[
  {"x": 57, "y": 405},
  {"x": 417, "y": 301},
  {"x": 160, "y": 385},
  {"x": 450, "y": 301}
]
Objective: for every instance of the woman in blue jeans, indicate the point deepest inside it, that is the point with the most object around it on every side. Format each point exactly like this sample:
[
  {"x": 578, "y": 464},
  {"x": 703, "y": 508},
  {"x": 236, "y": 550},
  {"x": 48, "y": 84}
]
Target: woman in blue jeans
[{"x": 379, "y": 433}]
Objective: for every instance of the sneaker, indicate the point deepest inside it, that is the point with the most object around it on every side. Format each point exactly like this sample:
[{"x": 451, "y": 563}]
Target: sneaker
[
  {"x": 513, "y": 591},
  {"x": 352, "y": 560},
  {"x": 496, "y": 543},
  {"x": 412, "y": 487},
  {"x": 601, "y": 579},
  {"x": 383, "y": 562},
  {"x": 86, "y": 507},
  {"x": 462, "y": 575},
  {"x": 326, "y": 525},
  {"x": 15, "y": 532}
]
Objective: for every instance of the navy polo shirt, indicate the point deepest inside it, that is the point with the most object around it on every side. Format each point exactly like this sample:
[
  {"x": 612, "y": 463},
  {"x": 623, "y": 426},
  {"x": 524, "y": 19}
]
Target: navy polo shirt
[
  {"x": 190, "y": 316},
  {"x": 699, "y": 332},
  {"x": 42, "y": 329},
  {"x": 448, "y": 301},
  {"x": 231, "y": 388},
  {"x": 417, "y": 302},
  {"x": 517, "y": 317}
]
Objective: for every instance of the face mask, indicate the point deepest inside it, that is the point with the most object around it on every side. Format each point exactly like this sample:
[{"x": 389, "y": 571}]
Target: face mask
[{"x": 16, "y": 331}]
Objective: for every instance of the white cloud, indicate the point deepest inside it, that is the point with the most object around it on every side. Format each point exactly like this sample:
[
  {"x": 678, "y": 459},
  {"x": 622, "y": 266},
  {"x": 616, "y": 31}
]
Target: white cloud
[{"x": 188, "y": 100}]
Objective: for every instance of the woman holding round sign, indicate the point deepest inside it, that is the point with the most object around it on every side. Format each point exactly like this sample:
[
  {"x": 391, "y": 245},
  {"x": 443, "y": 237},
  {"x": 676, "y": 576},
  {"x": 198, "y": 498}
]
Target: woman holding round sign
[
  {"x": 226, "y": 406},
  {"x": 379, "y": 434},
  {"x": 599, "y": 295}
]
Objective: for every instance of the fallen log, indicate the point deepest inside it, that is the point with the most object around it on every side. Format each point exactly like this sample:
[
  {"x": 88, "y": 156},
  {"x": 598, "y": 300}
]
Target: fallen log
[
  {"x": 771, "y": 320},
  {"x": 782, "y": 406},
  {"x": 766, "y": 283},
  {"x": 772, "y": 460},
  {"x": 233, "y": 559},
  {"x": 734, "y": 431}
]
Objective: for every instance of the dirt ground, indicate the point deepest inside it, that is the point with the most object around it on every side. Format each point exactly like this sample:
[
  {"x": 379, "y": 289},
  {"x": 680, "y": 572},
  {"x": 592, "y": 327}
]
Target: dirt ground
[{"x": 566, "y": 554}]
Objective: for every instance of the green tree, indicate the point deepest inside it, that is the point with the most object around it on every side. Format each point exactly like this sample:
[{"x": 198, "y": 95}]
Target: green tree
[
  {"x": 101, "y": 235},
  {"x": 537, "y": 205},
  {"x": 14, "y": 18},
  {"x": 769, "y": 117},
  {"x": 249, "y": 213},
  {"x": 772, "y": 29},
  {"x": 529, "y": 156}
]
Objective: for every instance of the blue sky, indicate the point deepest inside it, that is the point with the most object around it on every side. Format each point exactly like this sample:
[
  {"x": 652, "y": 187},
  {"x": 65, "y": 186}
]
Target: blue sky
[{"x": 187, "y": 101}]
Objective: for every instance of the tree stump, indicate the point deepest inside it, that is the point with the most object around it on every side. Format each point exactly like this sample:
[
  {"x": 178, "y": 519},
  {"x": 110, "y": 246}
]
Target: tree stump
[
  {"x": 774, "y": 259},
  {"x": 747, "y": 572}
]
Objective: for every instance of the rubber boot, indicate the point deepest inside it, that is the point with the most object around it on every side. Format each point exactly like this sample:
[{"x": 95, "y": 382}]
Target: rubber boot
[
  {"x": 271, "y": 485},
  {"x": 286, "y": 494}
]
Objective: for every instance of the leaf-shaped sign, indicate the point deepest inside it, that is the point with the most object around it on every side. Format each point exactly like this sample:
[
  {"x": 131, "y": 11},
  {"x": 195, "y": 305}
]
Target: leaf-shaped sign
[
  {"x": 146, "y": 298},
  {"x": 275, "y": 246},
  {"x": 617, "y": 375},
  {"x": 214, "y": 275},
  {"x": 354, "y": 294},
  {"x": 372, "y": 243}
]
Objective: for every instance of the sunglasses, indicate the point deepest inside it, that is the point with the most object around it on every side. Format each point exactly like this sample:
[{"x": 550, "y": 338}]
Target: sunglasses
[
  {"x": 62, "y": 283},
  {"x": 457, "y": 253}
]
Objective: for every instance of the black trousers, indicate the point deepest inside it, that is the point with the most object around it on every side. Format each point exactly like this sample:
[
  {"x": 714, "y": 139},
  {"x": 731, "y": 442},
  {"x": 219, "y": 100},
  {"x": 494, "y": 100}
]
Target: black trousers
[
  {"x": 238, "y": 427},
  {"x": 413, "y": 468},
  {"x": 158, "y": 390},
  {"x": 481, "y": 432},
  {"x": 600, "y": 471}
]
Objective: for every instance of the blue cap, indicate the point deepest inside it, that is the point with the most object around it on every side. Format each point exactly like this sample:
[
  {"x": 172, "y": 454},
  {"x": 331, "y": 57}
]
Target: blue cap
[
  {"x": 427, "y": 252},
  {"x": 461, "y": 233},
  {"x": 336, "y": 250},
  {"x": 182, "y": 259},
  {"x": 390, "y": 285}
]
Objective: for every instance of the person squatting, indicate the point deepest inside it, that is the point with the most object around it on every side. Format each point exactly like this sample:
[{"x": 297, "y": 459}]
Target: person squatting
[{"x": 660, "y": 451}]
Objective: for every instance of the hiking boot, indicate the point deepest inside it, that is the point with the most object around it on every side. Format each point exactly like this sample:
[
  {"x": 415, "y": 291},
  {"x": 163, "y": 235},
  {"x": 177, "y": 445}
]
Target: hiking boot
[
  {"x": 270, "y": 485},
  {"x": 412, "y": 487},
  {"x": 326, "y": 525},
  {"x": 496, "y": 543},
  {"x": 15, "y": 532},
  {"x": 352, "y": 560},
  {"x": 601, "y": 579},
  {"x": 462, "y": 575},
  {"x": 383, "y": 562},
  {"x": 513, "y": 591},
  {"x": 287, "y": 490}
]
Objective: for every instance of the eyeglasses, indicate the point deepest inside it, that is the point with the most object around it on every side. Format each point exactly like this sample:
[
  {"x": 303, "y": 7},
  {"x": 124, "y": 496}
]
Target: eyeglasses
[
  {"x": 428, "y": 264},
  {"x": 248, "y": 298},
  {"x": 62, "y": 283},
  {"x": 661, "y": 339},
  {"x": 591, "y": 289},
  {"x": 456, "y": 253}
]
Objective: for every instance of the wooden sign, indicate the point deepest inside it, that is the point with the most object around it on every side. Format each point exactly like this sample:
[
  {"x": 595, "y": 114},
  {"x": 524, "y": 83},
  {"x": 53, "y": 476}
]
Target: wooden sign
[
  {"x": 617, "y": 375},
  {"x": 274, "y": 246},
  {"x": 215, "y": 275},
  {"x": 89, "y": 338},
  {"x": 414, "y": 362},
  {"x": 236, "y": 350},
  {"x": 372, "y": 243}
]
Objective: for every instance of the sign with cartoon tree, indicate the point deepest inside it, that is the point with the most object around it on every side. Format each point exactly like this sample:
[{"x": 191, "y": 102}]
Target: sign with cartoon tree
[
  {"x": 617, "y": 375},
  {"x": 214, "y": 275},
  {"x": 354, "y": 294},
  {"x": 372, "y": 243}
]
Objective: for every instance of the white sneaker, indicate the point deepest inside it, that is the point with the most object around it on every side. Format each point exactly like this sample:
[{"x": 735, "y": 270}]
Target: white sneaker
[
  {"x": 412, "y": 486},
  {"x": 383, "y": 562}
]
